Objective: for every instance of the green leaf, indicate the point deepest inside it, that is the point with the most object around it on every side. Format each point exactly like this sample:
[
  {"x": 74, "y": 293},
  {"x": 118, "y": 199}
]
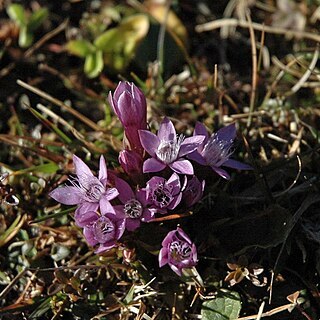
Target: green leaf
[
  {"x": 224, "y": 307},
  {"x": 50, "y": 167},
  {"x": 37, "y": 18},
  {"x": 93, "y": 64},
  {"x": 119, "y": 44},
  {"x": 25, "y": 37},
  {"x": 16, "y": 12},
  {"x": 81, "y": 48}
]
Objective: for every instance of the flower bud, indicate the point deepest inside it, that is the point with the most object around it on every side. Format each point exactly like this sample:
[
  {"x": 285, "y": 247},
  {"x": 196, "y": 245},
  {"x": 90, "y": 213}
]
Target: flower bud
[{"x": 129, "y": 104}]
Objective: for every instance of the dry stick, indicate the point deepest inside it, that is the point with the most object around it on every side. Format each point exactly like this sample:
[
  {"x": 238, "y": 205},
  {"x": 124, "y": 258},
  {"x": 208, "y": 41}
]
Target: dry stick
[
  {"x": 268, "y": 313},
  {"x": 254, "y": 70},
  {"x": 60, "y": 104},
  {"x": 256, "y": 26},
  {"x": 78, "y": 135},
  {"x": 45, "y": 38},
  {"x": 261, "y": 49},
  {"x": 307, "y": 74}
]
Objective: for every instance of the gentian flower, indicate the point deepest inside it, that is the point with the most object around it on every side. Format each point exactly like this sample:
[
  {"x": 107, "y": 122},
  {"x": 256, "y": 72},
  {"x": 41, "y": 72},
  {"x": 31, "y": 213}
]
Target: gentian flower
[
  {"x": 87, "y": 191},
  {"x": 134, "y": 205},
  {"x": 103, "y": 229},
  {"x": 163, "y": 194},
  {"x": 193, "y": 191},
  {"x": 167, "y": 149},
  {"x": 129, "y": 104},
  {"x": 178, "y": 251},
  {"x": 216, "y": 150},
  {"x": 131, "y": 162}
]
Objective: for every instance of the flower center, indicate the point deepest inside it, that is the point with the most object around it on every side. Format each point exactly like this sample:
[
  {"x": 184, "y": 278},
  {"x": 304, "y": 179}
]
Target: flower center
[
  {"x": 217, "y": 151},
  {"x": 104, "y": 229},
  {"x": 168, "y": 150},
  {"x": 91, "y": 188},
  {"x": 162, "y": 195},
  {"x": 133, "y": 209},
  {"x": 179, "y": 250}
]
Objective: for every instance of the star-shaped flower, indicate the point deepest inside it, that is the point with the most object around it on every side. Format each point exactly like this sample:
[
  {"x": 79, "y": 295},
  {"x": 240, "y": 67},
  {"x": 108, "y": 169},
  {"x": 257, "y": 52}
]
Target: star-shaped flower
[
  {"x": 87, "y": 191},
  {"x": 134, "y": 205},
  {"x": 167, "y": 149},
  {"x": 215, "y": 150}
]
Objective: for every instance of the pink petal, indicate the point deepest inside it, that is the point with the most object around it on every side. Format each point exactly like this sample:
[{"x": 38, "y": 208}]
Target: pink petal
[
  {"x": 166, "y": 131},
  {"x": 125, "y": 191},
  {"x": 84, "y": 217},
  {"x": 103, "y": 174},
  {"x": 106, "y": 246},
  {"x": 222, "y": 173},
  {"x": 82, "y": 170},
  {"x": 163, "y": 257},
  {"x": 153, "y": 165},
  {"x": 67, "y": 195},
  {"x": 175, "y": 202},
  {"x": 89, "y": 235},
  {"x": 201, "y": 130},
  {"x": 182, "y": 167},
  {"x": 227, "y": 133},
  {"x": 132, "y": 224},
  {"x": 149, "y": 141},
  {"x": 190, "y": 144},
  {"x": 105, "y": 206},
  {"x": 237, "y": 165}
]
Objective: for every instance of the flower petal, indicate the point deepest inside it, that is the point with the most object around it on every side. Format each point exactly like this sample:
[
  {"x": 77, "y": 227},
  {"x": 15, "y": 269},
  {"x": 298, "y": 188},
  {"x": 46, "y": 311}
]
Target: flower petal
[
  {"x": 89, "y": 235},
  {"x": 125, "y": 191},
  {"x": 153, "y": 165},
  {"x": 175, "y": 201},
  {"x": 163, "y": 257},
  {"x": 166, "y": 131},
  {"x": 227, "y": 133},
  {"x": 111, "y": 193},
  {"x": 106, "y": 246},
  {"x": 149, "y": 141},
  {"x": 222, "y": 173},
  {"x": 105, "y": 206},
  {"x": 82, "y": 170},
  {"x": 197, "y": 157},
  {"x": 84, "y": 217},
  {"x": 201, "y": 130},
  {"x": 190, "y": 144},
  {"x": 103, "y": 174},
  {"x": 132, "y": 224},
  {"x": 67, "y": 195},
  {"x": 182, "y": 166},
  {"x": 236, "y": 165}
]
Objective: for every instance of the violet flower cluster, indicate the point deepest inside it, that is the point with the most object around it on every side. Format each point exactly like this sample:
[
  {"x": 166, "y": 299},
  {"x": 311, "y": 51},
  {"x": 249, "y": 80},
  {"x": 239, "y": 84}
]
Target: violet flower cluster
[{"x": 158, "y": 176}]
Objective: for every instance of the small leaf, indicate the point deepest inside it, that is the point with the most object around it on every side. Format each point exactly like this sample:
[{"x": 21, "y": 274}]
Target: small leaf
[
  {"x": 119, "y": 44},
  {"x": 81, "y": 48},
  {"x": 224, "y": 307},
  {"x": 25, "y": 37},
  {"x": 37, "y": 18},
  {"x": 93, "y": 64},
  {"x": 16, "y": 12}
]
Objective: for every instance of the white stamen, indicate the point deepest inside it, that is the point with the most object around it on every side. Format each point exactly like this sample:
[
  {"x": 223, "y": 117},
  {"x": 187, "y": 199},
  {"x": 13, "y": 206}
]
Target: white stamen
[
  {"x": 217, "y": 151},
  {"x": 168, "y": 150}
]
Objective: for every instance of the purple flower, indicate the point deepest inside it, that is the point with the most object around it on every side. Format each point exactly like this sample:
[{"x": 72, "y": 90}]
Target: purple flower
[
  {"x": 178, "y": 251},
  {"x": 87, "y": 191},
  {"x": 103, "y": 230},
  {"x": 193, "y": 191},
  {"x": 216, "y": 150},
  {"x": 131, "y": 162},
  {"x": 129, "y": 104},
  {"x": 167, "y": 148},
  {"x": 163, "y": 194},
  {"x": 134, "y": 205}
]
